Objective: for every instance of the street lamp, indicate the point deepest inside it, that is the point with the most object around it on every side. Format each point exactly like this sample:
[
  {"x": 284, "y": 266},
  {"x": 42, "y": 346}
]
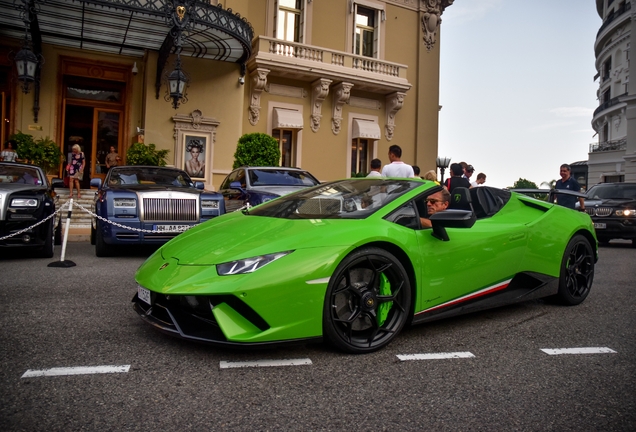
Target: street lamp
[
  {"x": 442, "y": 164},
  {"x": 177, "y": 81},
  {"x": 26, "y": 64}
]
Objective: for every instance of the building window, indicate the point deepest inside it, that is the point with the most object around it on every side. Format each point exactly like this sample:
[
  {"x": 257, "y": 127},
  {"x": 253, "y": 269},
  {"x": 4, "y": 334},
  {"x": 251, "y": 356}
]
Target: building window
[
  {"x": 365, "y": 41},
  {"x": 6, "y": 90},
  {"x": 607, "y": 69},
  {"x": 360, "y": 158},
  {"x": 287, "y": 146},
  {"x": 289, "y": 20},
  {"x": 613, "y": 179}
]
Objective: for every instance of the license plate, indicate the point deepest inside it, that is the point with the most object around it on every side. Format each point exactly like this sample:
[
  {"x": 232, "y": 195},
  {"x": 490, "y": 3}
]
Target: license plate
[
  {"x": 599, "y": 225},
  {"x": 144, "y": 295},
  {"x": 171, "y": 228}
]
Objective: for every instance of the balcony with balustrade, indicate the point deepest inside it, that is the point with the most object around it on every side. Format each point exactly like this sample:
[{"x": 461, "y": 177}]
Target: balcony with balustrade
[{"x": 309, "y": 63}]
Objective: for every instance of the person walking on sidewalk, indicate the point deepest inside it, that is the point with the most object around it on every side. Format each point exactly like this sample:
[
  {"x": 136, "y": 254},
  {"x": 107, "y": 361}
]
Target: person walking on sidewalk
[{"x": 75, "y": 170}]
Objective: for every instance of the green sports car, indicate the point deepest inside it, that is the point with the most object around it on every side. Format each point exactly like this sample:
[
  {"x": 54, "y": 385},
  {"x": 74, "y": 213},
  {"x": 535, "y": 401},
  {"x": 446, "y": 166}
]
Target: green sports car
[{"x": 350, "y": 262}]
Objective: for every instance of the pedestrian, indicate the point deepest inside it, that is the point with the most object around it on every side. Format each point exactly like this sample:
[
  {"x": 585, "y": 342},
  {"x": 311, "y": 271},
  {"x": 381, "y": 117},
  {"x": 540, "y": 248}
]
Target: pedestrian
[
  {"x": 468, "y": 170},
  {"x": 567, "y": 182},
  {"x": 9, "y": 154},
  {"x": 112, "y": 158},
  {"x": 456, "y": 179},
  {"x": 397, "y": 168},
  {"x": 416, "y": 170},
  {"x": 376, "y": 167},
  {"x": 431, "y": 175},
  {"x": 481, "y": 179},
  {"x": 75, "y": 169}
]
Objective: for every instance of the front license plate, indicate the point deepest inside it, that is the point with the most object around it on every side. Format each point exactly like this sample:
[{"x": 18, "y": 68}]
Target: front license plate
[
  {"x": 171, "y": 228},
  {"x": 144, "y": 295},
  {"x": 599, "y": 225}
]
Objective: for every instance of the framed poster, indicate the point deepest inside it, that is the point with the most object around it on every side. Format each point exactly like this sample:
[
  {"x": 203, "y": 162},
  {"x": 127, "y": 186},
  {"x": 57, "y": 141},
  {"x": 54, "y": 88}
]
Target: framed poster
[{"x": 195, "y": 156}]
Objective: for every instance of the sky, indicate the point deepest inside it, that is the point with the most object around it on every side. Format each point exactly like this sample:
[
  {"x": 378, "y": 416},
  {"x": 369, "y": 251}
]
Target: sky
[{"x": 517, "y": 86}]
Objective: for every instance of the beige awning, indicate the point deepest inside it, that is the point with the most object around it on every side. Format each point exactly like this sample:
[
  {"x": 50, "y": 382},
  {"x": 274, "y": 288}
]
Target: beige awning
[
  {"x": 365, "y": 129},
  {"x": 287, "y": 119}
]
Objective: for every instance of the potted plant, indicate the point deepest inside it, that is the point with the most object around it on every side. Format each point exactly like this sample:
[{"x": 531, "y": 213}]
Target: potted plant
[
  {"x": 142, "y": 154},
  {"x": 256, "y": 149},
  {"x": 43, "y": 152}
]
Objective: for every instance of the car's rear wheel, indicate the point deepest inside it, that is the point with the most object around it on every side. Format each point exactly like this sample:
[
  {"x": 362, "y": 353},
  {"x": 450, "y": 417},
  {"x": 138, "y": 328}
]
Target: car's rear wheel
[
  {"x": 101, "y": 248},
  {"x": 577, "y": 271},
  {"x": 58, "y": 232},
  {"x": 92, "y": 234},
  {"x": 368, "y": 301}
]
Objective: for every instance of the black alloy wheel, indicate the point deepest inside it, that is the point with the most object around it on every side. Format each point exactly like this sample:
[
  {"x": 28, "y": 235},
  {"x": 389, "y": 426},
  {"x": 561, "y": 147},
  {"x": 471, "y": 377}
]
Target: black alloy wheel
[
  {"x": 58, "y": 232},
  {"x": 101, "y": 248},
  {"x": 48, "y": 250},
  {"x": 577, "y": 271},
  {"x": 368, "y": 301}
]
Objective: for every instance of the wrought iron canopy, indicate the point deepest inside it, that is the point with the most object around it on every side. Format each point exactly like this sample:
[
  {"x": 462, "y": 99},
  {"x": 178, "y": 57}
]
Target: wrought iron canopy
[{"x": 128, "y": 27}]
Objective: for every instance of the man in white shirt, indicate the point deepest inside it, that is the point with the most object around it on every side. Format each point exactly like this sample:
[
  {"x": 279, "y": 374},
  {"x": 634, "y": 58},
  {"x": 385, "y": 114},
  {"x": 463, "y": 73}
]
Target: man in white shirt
[
  {"x": 376, "y": 166},
  {"x": 397, "y": 168}
]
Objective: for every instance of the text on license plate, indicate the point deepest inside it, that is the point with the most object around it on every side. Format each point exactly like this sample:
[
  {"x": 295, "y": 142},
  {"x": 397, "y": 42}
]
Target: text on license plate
[
  {"x": 599, "y": 225},
  {"x": 171, "y": 228},
  {"x": 144, "y": 294}
]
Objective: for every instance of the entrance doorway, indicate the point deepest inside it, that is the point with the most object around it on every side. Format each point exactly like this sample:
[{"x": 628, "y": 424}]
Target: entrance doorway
[{"x": 93, "y": 118}]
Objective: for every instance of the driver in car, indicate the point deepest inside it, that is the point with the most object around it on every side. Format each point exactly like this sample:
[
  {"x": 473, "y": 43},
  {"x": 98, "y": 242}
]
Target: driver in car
[{"x": 435, "y": 203}]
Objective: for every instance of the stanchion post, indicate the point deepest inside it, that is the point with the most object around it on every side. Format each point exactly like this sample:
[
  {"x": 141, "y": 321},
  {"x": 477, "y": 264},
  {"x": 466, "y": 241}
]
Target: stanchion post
[{"x": 62, "y": 262}]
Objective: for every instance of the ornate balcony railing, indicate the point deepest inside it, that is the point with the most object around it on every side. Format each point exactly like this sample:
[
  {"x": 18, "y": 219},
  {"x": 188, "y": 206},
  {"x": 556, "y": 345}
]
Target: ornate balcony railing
[
  {"x": 307, "y": 60},
  {"x": 620, "y": 144},
  {"x": 612, "y": 17},
  {"x": 609, "y": 103}
]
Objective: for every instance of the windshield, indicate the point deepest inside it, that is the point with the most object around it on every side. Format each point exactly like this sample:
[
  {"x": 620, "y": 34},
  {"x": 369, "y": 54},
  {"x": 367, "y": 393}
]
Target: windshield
[
  {"x": 281, "y": 177},
  {"x": 612, "y": 191},
  {"x": 344, "y": 199},
  {"x": 20, "y": 175},
  {"x": 139, "y": 176}
]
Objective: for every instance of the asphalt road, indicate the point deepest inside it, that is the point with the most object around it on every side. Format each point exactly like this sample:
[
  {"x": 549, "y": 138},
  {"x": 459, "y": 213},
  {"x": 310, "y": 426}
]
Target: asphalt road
[{"x": 82, "y": 316}]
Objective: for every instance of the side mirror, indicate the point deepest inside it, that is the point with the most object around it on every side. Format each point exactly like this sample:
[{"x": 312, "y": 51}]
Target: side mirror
[
  {"x": 451, "y": 219},
  {"x": 57, "y": 183},
  {"x": 96, "y": 182},
  {"x": 199, "y": 185}
]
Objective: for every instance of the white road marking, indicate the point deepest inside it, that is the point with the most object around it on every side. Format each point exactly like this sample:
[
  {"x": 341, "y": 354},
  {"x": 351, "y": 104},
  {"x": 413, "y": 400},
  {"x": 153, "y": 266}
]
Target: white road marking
[
  {"x": 79, "y": 370},
  {"x": 436, "y": 356},
  {"x": 265, "y": 363},
  {"x": 591, "y": 350}
]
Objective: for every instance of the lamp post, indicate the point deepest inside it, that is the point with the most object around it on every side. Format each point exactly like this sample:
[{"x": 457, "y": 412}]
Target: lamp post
[
  {"x": 177, "y": 81},
  {"x": 442, "y": 164},
  {"x": 180, "y": 17},
  {"x": 26, "y": 64}
]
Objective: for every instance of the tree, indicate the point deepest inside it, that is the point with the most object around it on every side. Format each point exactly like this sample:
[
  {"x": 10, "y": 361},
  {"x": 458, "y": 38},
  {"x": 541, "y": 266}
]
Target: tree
[
  {"x": 549, "y": 184},
  {"x": 142, "y": 154},
  {"x": 256, "y": 149},
  {"x": 527, "y": 184}
]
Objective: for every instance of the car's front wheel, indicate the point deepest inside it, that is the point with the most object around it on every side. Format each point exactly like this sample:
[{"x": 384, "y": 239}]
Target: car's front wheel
[
  {"x": 101, "y": 248},
  {"x": 577, "y": 271},
  {"x": 48, "y": 249},
  {"x": 368, "y": 301}
]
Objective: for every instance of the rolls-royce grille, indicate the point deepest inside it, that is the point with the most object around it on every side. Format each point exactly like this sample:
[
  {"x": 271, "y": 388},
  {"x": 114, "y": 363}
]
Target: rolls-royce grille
[
  {"x": 166, "y": 209},
  {"x": 599, "y": 211}
]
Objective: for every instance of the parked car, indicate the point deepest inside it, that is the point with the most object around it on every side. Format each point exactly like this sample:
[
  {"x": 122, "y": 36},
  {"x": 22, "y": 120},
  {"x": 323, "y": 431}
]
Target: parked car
[
  {"x": 256, "y": 185},
  {"x": 27, "y": 197},
  {"x": 148, "y": 205},
  {"x": 612, "y": 207},
  {"x": 349, "y": 261}
]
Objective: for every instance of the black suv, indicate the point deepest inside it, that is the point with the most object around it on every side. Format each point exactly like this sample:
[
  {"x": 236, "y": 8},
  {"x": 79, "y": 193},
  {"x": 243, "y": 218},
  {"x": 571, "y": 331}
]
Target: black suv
[{"x": 612, "y": 207}]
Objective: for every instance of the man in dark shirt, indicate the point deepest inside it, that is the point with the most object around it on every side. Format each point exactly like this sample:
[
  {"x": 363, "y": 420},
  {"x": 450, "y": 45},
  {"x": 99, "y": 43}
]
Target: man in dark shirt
[
  {"x": 456, "y": 179},
  {"x": 567, "y": 182}
]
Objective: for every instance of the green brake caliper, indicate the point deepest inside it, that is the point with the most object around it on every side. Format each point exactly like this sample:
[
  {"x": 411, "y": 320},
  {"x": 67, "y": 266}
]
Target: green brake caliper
[{"x": 384, "y": 308}]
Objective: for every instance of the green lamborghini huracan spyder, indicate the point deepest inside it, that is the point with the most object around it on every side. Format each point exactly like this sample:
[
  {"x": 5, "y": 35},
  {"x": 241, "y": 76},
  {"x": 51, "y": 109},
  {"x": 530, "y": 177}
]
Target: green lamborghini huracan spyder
[{"x": 349, "y": 261}]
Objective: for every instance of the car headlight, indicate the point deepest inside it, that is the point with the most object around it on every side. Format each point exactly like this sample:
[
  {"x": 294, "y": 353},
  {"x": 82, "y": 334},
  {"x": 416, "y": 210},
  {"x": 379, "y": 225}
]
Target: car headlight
[
  {"x": 626, "y": 212},
  {"x": 125, "y": 202},
  {"x": 248, "y": 265},
  {"x": 209, "y": 204},
  {"x": 24, "y": 202}
]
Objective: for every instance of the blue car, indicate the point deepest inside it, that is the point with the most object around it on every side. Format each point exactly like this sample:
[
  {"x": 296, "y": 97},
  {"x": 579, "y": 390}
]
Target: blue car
[
  {"x": 256, "y": 185},
  {"x": 148, "y": 205}
]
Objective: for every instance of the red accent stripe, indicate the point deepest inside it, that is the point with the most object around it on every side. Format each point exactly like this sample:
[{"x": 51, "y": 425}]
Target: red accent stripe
[{"x": 469, "y": 297}]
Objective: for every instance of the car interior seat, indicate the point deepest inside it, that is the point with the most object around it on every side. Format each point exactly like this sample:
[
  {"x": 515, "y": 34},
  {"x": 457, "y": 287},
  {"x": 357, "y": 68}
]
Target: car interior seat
[
  {"x": 461, "y": 200},
  {"x": 485, "y": 202}
]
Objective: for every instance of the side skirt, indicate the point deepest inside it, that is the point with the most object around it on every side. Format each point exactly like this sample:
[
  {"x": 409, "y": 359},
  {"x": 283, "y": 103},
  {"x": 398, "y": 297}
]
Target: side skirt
[{"x": 522, "y": 287}]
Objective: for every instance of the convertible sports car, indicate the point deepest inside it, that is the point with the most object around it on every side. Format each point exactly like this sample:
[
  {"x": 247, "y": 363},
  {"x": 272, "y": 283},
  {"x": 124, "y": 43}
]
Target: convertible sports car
[
  {"x": 148, "y": 205},
  {"x": 349, "y": 262}
]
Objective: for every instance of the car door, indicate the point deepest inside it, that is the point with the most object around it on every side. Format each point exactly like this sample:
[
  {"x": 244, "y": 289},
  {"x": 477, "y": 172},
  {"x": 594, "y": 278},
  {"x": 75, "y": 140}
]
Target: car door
[{"x": 475, "y": 261}]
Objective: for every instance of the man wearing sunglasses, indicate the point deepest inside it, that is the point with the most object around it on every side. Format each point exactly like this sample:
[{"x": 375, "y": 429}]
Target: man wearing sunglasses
[{"x": 435, "y": 203}]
